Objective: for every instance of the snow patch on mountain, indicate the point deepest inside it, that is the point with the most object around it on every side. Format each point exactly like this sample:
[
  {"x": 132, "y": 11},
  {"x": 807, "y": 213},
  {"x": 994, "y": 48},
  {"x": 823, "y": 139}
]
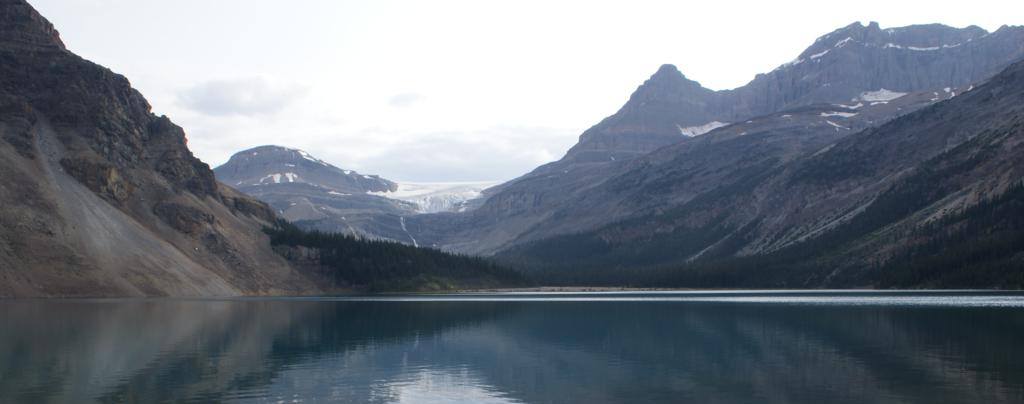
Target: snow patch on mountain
[
  {"x": 881, "y": 95},
  {"x": 698, "y": 130},
  {"x": 309, "y": 157},
  {"x": 920, "y": 48},
  {"x": 841, "y": 114},
  {"x": 836, "y": 125}
]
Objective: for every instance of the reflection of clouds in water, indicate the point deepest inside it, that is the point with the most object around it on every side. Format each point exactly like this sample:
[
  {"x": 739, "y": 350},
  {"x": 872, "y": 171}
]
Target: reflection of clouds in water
[{"x": 440, "y": 386}]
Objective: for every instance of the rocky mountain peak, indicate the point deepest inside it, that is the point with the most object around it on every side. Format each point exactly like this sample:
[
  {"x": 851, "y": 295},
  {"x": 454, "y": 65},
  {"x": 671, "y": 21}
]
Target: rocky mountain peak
[
  {"x": 669, "y": 85},
  {"x": 667, "y": 71},
  {"x": 839, "y": 66},
  {"x": 920, "y": 38},
  {"x": 274, "y": 165},
  {"x": 654, "y": 116},
  {"x": 23, "y": 27}
]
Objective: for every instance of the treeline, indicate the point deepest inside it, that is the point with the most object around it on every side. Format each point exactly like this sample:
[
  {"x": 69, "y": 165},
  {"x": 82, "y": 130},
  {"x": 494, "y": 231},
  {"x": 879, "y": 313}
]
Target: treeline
[
  {"x": 980, "y": 247},
  {"x": 376, "y": 265}
]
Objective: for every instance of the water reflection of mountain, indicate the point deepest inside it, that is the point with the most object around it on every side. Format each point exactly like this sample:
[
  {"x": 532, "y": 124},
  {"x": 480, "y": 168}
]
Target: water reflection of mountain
[
  {"x": 193, "y": 350},
  {"x": 591, "y": 352}
]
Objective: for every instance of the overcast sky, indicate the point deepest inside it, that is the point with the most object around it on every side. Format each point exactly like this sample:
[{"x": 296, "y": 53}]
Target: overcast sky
[{"x": 443, "y": 90}]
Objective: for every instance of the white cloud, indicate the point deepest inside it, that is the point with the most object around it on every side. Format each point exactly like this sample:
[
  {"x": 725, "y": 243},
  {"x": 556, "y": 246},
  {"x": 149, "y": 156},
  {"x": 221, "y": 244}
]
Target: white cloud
[
  {"x": 486, "y": 154},
  {"x": 247, "y": 96},
  {"x": 405, "y": 99}
]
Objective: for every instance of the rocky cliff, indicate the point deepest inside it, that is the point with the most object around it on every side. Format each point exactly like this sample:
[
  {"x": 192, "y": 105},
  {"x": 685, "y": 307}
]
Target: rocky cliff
[
  {"x": 103, "y": 198},
  {"x": 837, "y": 68}
]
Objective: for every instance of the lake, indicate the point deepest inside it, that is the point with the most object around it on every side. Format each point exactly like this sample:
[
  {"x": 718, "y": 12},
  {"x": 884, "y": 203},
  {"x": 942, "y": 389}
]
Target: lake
[{"x": 704, "y": 347}]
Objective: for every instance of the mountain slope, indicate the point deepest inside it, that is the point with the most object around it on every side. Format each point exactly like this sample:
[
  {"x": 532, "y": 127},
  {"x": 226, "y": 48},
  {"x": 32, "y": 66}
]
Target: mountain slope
[
  {"x": 837, "y": 68},
  {"x": 104, "y": 198},
  {"x": 836, "y": 87},
  {"x": 858, "y": 212}
]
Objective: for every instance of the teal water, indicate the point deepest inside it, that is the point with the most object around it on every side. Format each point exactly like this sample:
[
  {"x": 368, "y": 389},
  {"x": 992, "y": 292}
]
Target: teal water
[{"x": 703, "y": 347}]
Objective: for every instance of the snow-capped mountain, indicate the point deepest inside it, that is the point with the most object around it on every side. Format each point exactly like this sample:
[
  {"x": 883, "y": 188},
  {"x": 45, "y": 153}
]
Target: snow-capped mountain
[
  {"x": 268, "y": 165},
  {"x": 315, "y": 194},
  {"x": 838, "y": 66},
  {"x": 855, "y": 77}
]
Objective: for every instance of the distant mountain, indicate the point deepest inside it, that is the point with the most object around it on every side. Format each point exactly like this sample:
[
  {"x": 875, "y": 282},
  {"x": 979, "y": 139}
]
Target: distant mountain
[
  {"x": 933, "y": 198},
  {"x": 851, "y": 79},
  {"x": 103, "y": 198},
  {"x": 269, "y": 165},
  {"x": 317, "y": 195}
]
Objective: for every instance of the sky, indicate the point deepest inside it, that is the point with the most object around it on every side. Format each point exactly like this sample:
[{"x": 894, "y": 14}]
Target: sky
[{"x": 443, "y": 91}]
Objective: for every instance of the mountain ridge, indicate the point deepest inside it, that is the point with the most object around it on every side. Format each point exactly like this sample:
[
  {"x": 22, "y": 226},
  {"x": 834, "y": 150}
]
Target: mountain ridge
[
  {"x": 836, "y": 217},
  {"x": 830, "y": 96}
]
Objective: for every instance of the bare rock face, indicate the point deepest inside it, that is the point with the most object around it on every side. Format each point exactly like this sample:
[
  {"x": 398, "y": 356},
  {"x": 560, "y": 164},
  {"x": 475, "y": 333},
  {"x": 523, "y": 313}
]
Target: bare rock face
[
  {"x": 653, "y": 117},
  {"x": 184, "y": 218},
  {"x": 24, "y": 28},
  {"x": 837, "y": 68},
  {"x": 100, "y": 177},
  {"x": 103, "y": 198}
]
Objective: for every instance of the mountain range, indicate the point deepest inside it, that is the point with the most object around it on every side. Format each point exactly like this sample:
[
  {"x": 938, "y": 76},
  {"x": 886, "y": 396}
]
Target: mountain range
[
  {"x": 316, "y": 195},
  {"x": 941, "y": 185},
  {"x": 848, "y": 80},
  {"x": 876, "y": 158},
  {"x": 683, "y": 181},
  {"x": 103, "y": 198}
]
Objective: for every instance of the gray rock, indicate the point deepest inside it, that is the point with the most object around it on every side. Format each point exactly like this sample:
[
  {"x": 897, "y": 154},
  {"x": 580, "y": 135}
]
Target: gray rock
[{"x": 103, "y": 198}]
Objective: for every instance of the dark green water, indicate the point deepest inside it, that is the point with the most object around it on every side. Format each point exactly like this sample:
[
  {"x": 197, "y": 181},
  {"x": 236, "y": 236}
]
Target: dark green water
[{"x": 585, "y": 348}]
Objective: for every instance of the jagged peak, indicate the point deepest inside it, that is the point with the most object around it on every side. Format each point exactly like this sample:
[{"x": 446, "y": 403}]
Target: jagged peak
[
  {"x": 668, "y": 69},
  {"x": 667, "y": 82},
  {"x": 21, "y": 26}
]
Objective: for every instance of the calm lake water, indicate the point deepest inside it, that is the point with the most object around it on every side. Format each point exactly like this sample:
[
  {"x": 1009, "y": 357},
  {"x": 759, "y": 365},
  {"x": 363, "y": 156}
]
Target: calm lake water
[{"x": 704, "y": 347}]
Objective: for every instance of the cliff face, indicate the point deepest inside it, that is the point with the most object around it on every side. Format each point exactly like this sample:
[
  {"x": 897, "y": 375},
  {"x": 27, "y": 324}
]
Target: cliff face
[
  {"x": 103, "y": 198},
  {"x": 837, "y": 68}
]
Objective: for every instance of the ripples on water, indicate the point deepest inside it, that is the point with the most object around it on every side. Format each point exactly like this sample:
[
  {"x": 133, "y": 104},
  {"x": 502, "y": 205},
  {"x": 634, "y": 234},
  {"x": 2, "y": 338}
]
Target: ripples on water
[{"x": 715, "y": 346}]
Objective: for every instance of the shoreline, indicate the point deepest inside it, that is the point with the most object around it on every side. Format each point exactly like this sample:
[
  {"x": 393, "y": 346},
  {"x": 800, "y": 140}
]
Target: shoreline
[{"x": 574, "y": 289}]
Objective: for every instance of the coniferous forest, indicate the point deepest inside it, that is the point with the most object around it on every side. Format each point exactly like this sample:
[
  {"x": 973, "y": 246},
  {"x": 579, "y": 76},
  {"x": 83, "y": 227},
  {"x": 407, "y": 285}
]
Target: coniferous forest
[{"x": 376, "y": 265}]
